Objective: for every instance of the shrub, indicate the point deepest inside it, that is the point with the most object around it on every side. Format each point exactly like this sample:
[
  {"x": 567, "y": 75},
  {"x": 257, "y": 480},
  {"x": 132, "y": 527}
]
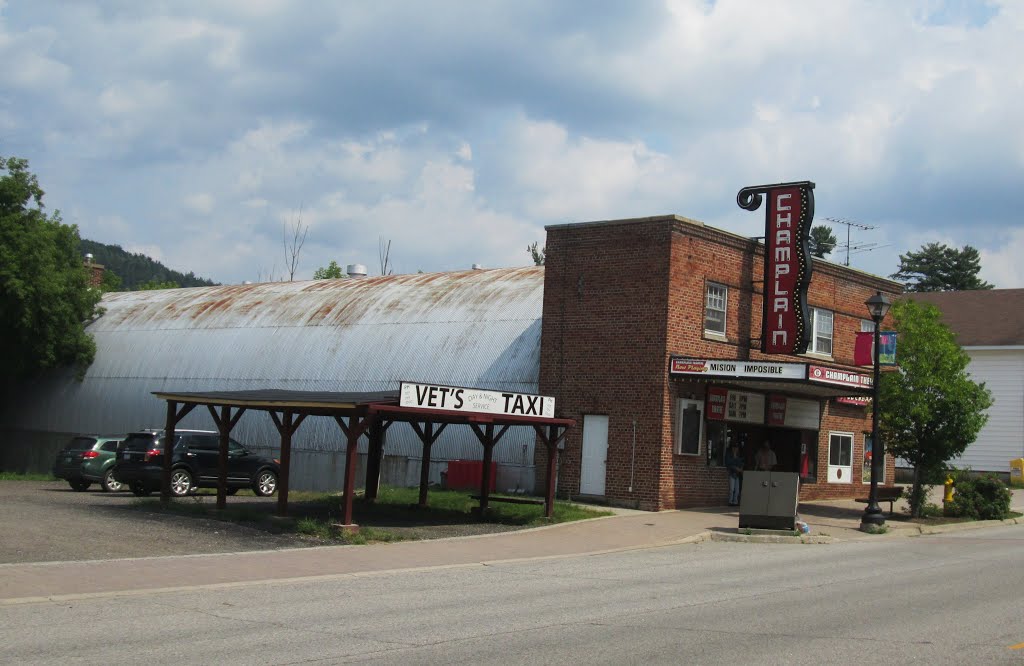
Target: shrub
[{"x": 982, "y": 498}]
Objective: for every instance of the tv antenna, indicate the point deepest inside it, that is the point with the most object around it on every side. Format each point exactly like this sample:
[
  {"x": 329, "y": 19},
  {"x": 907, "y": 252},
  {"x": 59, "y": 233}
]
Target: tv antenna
[{"x": 863, "y": 247}]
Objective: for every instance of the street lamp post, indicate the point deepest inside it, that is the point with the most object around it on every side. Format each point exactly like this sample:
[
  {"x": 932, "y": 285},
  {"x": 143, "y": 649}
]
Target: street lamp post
[{"x": 878, "y": 306}]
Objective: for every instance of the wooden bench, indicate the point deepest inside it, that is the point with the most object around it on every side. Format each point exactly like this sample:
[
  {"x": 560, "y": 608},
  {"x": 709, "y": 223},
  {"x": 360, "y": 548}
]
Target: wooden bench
[
  {"x": 885, "y": 494},
  {"x": 510, "y": 500}
]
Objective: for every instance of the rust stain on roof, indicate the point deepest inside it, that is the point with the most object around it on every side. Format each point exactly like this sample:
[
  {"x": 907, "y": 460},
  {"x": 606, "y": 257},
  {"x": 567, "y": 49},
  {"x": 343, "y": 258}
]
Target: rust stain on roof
[{"x": 421, "y": 297}]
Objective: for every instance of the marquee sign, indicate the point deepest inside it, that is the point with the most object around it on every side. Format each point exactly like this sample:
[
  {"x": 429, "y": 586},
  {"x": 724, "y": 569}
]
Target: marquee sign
[
  {"x": 787, "y": 263},
  {"x": 822, "y": 375},
  {"x": 709, "y": 367},
  {"x": 479, "y": 401}
]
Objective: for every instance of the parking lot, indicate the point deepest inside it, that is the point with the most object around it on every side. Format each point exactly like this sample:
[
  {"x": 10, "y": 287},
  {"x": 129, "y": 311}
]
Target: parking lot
[{"x": 46, "y": 521}]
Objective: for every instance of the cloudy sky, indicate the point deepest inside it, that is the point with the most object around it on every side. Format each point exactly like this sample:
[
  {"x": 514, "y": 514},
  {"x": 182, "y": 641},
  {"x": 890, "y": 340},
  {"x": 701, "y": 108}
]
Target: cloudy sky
[{"x": 194, "y": 132}]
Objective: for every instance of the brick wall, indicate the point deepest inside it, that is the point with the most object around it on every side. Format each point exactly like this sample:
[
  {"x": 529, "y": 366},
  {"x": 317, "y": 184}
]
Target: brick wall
[{"x": 621, "y": 297}]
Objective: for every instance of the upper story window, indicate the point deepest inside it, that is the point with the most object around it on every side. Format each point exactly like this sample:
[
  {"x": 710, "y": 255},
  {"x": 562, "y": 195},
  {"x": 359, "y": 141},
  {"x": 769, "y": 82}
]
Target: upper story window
[
  {"x": 821, "y": 327},
  {"x": 714, "y": 308}
]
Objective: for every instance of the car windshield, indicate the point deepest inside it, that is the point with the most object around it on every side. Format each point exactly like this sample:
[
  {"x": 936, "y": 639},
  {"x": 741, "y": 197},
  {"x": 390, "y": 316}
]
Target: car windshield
[{"x": 80, "y": 444}]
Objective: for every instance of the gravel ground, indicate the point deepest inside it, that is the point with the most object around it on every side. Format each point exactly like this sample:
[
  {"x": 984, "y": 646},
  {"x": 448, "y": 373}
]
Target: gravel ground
[{"x": 46, "y": 521}]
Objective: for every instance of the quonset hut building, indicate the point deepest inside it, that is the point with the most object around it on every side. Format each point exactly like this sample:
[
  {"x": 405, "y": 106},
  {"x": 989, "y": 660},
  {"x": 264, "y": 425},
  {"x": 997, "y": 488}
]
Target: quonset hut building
[{"x": 644, "y": 330}]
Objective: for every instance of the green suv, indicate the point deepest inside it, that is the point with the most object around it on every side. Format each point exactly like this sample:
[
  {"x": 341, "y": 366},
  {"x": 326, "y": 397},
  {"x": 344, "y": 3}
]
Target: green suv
[{"x": 89, "y": 459}]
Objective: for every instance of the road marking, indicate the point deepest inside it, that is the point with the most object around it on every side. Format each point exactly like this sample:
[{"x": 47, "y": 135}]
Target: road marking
[{"x": 1018, "y": 646}]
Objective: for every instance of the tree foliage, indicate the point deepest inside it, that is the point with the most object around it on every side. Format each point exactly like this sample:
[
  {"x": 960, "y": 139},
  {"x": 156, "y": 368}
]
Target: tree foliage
[
  {"x": 822, "y": 241},
  {"x": 930, "y": 408},
  {"x": 154, "y": 285},
  {"x": 937, "y": 267},
  {"x": 538, "y": 254},
  {"x": 45, "y": 298},
  {"x": 134, "y": 268},
  {"x": 330, "y": 272}
]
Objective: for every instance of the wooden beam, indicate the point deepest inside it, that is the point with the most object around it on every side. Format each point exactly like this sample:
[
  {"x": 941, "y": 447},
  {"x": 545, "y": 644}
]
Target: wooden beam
[{"x": 174, "y": 416}]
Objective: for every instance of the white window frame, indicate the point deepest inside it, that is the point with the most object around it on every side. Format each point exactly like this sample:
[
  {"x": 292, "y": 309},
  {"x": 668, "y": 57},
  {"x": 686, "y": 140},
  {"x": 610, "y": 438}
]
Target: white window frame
[
  {"x": 681, "y": 405},
  {"x": 708, "y": 308},
  {"x": 864, "y": 463},
  {"x": 814, "y": 347},
  {"x": 846, "y": 471},
  {"x": 867, "y": 326}
]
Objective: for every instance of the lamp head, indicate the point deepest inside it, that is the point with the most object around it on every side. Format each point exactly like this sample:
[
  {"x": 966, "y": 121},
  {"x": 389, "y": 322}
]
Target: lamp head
[{"x": 878, "y": 306}]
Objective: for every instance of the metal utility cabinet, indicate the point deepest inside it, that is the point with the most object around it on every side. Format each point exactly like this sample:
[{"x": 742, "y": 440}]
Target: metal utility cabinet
[{"x": 769, "y": 500}]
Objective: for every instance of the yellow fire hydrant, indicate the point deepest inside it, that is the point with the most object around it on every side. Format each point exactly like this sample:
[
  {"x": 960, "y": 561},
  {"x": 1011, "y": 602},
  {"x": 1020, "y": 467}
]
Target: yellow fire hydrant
[{"x": 947, "y": 496}]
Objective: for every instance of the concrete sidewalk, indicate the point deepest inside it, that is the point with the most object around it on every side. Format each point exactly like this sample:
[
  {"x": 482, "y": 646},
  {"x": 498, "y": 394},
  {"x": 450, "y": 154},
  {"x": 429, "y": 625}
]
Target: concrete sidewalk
[{"x": 26, "y": 583}]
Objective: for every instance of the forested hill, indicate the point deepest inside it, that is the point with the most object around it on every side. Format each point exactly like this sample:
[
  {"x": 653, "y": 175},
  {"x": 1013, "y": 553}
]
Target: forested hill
[{"x": 136, "y": 269}]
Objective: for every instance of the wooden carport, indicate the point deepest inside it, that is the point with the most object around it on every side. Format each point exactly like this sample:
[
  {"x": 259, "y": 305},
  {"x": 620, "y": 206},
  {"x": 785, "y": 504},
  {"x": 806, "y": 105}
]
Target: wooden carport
[{"x": 356, "y": 414}]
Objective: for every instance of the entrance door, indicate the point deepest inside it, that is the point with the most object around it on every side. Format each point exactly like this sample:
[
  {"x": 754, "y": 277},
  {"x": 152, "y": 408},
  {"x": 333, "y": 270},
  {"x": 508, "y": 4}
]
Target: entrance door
[{"x": 595, "y": 454}]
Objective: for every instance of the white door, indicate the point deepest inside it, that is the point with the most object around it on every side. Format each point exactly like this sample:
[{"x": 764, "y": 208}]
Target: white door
[{"x": 595, "y": 454}]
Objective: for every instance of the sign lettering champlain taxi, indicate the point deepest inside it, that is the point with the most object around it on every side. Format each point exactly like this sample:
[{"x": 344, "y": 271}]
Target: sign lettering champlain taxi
[{"x": 478, "y": 401}]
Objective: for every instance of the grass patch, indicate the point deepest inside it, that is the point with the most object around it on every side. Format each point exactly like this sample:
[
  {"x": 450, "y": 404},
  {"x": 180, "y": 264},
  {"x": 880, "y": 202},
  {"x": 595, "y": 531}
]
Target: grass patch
[
  {"x": 393, "y": 516},
  {"x": 18, "y": 476}
]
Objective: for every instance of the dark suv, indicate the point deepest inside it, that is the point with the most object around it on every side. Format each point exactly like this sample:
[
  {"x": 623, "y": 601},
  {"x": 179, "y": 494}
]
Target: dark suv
[
  {"x": 88, "y": 459},
  {"x": 196, "y": 455}
]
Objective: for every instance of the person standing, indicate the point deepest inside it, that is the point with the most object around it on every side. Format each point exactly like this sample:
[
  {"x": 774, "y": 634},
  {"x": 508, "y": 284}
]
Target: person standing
[
  {"x": 734, "y": 463},
  {"x": 765, "y": 459}
]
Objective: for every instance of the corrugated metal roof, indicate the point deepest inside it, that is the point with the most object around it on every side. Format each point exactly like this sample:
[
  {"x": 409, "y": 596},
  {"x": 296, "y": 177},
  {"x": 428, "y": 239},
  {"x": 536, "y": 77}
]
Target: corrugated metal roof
[{"x": 477, "y": 328}]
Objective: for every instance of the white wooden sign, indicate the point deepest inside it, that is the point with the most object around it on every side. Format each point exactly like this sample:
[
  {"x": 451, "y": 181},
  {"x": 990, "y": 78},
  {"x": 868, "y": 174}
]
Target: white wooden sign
[{"x": 479, "y": 401}]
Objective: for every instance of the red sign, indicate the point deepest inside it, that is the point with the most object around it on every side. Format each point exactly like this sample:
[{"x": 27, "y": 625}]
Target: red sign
[
  {"x": 776, "y": 410},
  {"x": 859, "y": 400},
  {"x": 688, "y": 365},
  {"x": 823, "y": 375},
  {"x": 787, "y": 263},
  {"x": 716, "y": 401}
]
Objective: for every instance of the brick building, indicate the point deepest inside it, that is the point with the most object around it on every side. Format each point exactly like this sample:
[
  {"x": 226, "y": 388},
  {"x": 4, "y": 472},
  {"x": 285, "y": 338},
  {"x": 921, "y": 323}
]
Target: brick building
[{"x": 642, "y": 319}]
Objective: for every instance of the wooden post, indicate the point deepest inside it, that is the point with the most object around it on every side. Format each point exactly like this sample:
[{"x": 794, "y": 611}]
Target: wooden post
[
  {"x": 286, "y": 429},
  {"x": 486, "y": 481},
  {"x": 374, "y": 454},
  {"x": 428, "y": 442},
  {"x": 552, "y": 446},
  {"x": 287, "y": 424},
  {"x": 165, "y": 485}
]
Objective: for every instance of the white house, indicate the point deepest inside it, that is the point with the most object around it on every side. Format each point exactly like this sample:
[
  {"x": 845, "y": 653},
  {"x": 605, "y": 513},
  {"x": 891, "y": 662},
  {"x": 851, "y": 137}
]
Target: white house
[{"x": 989, "y": 325}]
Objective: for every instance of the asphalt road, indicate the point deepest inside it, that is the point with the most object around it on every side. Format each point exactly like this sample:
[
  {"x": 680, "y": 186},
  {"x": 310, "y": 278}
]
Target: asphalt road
[
  {"x": 945, "y": 599},
  {"x": 47, "y": 521}
]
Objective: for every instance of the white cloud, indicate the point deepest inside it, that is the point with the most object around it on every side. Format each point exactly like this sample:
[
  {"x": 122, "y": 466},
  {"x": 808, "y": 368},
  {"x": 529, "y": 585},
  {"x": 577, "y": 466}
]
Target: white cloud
[
  {"x": 200, "y": 203},
  {"x": 198, "y": 128}
]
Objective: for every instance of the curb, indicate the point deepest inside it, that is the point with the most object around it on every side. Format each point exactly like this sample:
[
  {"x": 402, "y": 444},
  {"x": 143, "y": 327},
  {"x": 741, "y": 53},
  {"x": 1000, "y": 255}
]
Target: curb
[
  {"x": 771, "y": 538},
  {"x": 969, "y": 525}
]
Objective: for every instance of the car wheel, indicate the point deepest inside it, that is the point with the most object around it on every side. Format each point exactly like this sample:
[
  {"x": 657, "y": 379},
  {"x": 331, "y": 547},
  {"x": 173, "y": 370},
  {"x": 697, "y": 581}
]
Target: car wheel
[
  {"x": 109, "y": 483},
  {"x": 181, "y": 482},
  {"x": 265, "y": 484},
  {"x": 78, "y": 485},
  {"x": 140, "y": 490}
]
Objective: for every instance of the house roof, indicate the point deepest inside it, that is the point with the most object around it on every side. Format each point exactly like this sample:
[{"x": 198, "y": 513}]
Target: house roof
[{"x": 982, "y": 318}]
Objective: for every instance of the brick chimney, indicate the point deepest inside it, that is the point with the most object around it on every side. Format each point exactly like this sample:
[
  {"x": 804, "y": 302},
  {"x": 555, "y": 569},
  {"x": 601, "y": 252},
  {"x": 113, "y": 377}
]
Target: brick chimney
[{"x": 95, "y": 271}]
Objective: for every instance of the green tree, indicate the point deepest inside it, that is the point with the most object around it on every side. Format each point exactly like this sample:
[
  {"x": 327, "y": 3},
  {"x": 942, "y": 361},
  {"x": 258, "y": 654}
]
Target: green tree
[
  {"x": 330, "y": 272},
  {"x": 153, "y": 285},
  {"x": 930, "y": 408},
  {"x": 937, "y": 267},
  {"x": 822, "y": 241},
  {"x": 45, "y": 298},
  {"x": 111, "y": 281},
  {"x": 538, "y": 255}
]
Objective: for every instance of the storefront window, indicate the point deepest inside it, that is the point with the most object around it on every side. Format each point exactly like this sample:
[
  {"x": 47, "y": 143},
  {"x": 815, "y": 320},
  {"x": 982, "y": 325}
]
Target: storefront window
[
  {"x": 866, "y": 473},
  {"x": 689, "y": 425},
  {"x": 718, "y": 442},
  {"x": 808, "y": 457},
  {"x": 840, "y": 457}
]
